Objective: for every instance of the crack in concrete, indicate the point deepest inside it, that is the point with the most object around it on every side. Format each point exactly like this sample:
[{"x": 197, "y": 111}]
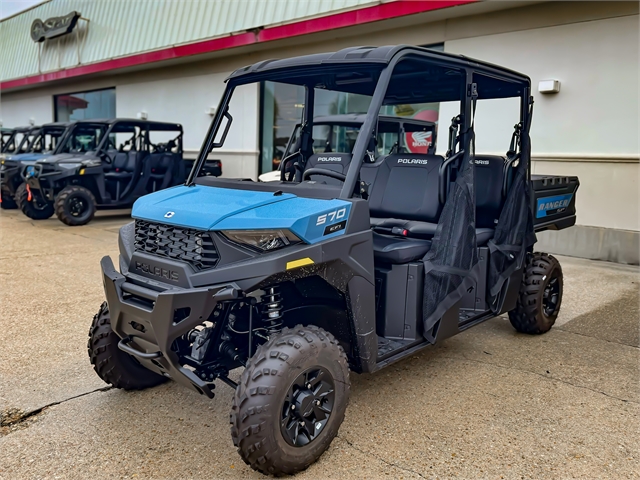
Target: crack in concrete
[
  {"x": 595, "y": 338},
  {"x": 19, "y": 417},
  {"x": 547, "y": 377},
  {"x": 378, "y": 457}
]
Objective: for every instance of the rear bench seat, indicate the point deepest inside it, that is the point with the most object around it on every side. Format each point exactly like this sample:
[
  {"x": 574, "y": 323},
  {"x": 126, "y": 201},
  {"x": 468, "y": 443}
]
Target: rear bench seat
[
  {"x": 404, "y": 196},
  {"x": 405, "y": 186}
]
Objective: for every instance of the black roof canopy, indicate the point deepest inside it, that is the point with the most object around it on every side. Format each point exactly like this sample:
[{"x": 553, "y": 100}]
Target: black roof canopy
[
  {"x": 132, "y": 122},
  {"x": 421, "y": 75}
]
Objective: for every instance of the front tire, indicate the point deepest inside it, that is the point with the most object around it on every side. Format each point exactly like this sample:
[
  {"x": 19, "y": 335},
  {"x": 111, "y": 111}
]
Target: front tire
[
  {"x": 291, "y": 401},
  {"x": 540, "y": 295},
  {"x": 33, "y": 205},
  {"x": 75, "y": 205},
  {"x": 8, "y": 203},
  {"x": 112, "y": 365}
]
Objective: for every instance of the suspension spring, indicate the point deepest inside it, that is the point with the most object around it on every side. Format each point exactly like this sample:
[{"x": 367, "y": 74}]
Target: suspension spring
[{"x": 272, "y": 310}]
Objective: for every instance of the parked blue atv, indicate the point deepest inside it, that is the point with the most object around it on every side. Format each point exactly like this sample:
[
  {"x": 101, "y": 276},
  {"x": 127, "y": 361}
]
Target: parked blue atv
[
  {"x": 349, "y": 264},
  {"x": 36, "y": 144}
]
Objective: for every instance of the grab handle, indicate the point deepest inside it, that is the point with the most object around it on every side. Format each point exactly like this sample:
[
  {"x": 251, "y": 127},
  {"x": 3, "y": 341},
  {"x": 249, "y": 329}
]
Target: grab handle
[{"x": 125, "y": 347}]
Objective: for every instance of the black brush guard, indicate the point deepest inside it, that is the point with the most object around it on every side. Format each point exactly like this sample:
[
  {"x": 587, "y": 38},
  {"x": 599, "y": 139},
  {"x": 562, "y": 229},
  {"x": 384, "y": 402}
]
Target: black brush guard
[{"x": 148, "y": 321}]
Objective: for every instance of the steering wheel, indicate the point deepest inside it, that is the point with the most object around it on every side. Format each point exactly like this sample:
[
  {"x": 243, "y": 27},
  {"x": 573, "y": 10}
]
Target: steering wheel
[
  {"x": 285, "y": 161},
  {"x": 321, "y": 171}
]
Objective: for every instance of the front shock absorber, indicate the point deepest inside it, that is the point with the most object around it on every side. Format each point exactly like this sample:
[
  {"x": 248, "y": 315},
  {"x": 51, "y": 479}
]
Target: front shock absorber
[{"x": 272, "y": 310}]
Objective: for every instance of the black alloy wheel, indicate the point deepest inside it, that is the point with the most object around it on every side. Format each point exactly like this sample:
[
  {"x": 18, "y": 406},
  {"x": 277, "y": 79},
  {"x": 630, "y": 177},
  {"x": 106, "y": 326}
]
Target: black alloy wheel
[
  {"x": 551, "y": 295},
  {"x": 307, "y": 406}
]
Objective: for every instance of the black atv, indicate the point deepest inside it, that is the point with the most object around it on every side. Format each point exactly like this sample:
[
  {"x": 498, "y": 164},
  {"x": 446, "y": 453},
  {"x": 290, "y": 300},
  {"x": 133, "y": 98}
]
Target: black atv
[
  {"x": 301, "y": 281},
  {"x": 36, "y": 144},
  {"x": 102, "y": 165}
]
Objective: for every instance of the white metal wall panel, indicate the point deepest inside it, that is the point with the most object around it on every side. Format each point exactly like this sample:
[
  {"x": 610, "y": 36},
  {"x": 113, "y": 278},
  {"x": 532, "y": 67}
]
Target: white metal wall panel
[{"x": 119, "y": 28}]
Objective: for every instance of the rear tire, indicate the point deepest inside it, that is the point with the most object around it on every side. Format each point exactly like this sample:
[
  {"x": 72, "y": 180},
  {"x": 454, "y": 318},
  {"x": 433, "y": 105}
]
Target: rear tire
[
  {"x": 290, "y": 401},
  {"x": 112, "y": 365},
  {"x": 75, "y": 205},
  {"x": 540, "y": 295},
  {"x": 37, "y": 208},
  {"x": 8, "y": 203}
]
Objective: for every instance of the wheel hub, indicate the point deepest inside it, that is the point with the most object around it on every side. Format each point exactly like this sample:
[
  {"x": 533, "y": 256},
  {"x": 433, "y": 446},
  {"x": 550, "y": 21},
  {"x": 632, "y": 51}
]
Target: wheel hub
[
  {"x": 551, "y": 295},
  {"x": 76, "y": 207},
  {"x": 307, "y": 407}
]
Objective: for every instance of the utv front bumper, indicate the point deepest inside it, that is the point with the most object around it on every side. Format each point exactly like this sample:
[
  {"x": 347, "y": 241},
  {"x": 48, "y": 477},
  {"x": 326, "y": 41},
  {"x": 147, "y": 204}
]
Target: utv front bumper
[
  {"x": 149, "y": 321},
  {"x": 10, "y": 177},
  {"x": 41, "y": 178}
]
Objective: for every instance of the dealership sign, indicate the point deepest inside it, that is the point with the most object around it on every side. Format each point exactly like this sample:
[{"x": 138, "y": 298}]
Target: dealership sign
[{"x": 53, "y": 27}]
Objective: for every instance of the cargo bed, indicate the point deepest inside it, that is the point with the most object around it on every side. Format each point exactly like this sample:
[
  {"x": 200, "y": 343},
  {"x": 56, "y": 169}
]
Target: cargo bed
[{"x": 554, "y": 201}]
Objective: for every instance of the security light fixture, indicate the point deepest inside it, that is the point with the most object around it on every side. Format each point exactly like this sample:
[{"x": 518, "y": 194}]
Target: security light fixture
[{"x": 549, "y": 86}]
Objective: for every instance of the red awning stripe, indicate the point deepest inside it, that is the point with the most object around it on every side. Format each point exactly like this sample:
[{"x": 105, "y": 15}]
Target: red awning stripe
[{"x": 330, "y": 22}]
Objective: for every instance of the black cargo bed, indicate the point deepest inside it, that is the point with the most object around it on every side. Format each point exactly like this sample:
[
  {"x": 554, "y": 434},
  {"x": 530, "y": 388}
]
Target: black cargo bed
[{"x": 554, "y": 201}]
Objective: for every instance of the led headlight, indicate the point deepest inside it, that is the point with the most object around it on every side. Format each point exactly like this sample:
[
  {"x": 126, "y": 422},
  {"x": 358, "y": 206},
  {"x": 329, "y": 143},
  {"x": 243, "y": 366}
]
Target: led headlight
[{"x": 262, "y": 240}]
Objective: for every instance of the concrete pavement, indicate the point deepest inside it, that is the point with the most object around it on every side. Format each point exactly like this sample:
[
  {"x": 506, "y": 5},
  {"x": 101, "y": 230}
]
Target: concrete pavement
[{"x": 489, "y": 403}]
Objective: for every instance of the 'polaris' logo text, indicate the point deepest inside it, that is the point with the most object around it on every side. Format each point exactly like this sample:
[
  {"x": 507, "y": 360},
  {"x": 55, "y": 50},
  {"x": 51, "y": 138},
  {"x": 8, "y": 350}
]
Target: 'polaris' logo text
[
  {"x": 415, "y": 161},
  {"x": 482, "y": 162},
  {"x": 329, "y": 159},
  {"x": 157, "y": 271}
]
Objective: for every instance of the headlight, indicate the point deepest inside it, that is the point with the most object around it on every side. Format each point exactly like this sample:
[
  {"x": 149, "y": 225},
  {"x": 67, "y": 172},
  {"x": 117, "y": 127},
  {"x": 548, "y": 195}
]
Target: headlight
[{"x": 262, "y": 240}]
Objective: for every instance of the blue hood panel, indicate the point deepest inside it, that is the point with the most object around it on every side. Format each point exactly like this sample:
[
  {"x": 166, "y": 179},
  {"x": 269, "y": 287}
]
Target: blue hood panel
[
  {"x": 27, "y": 157},
  {"x": 212, "y": 208}
]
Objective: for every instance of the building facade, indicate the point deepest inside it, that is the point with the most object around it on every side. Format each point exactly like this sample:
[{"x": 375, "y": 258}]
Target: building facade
[{"x": 167, "y": 60}]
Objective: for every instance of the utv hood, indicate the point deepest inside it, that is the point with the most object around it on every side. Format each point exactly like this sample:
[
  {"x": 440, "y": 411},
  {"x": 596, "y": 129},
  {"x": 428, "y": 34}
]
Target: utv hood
[
  {"x": 26, "y": 157},
  {"x": 66, "y": 158},
  {"x": 212, "y": 208}
]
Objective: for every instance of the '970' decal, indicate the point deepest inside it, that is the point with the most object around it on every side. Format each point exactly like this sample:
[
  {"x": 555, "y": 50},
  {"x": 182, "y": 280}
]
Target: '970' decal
[{"x": 331, "y": 216}]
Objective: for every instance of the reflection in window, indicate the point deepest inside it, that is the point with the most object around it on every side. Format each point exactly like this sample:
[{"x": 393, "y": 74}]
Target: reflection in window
[{"x": 85, "y": 105}]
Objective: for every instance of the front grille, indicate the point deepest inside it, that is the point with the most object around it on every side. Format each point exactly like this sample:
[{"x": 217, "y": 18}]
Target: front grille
[{"x": 191, "y": 246}]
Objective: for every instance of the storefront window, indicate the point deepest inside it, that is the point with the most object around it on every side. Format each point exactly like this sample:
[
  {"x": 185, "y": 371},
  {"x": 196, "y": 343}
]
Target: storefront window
[
  {"x": 282, "y": 107},
  {"x": 85, "y": 105}
]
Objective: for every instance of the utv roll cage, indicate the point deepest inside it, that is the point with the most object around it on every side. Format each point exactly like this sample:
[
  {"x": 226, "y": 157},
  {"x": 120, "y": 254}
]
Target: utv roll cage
[
  {"x": 38, "y": 136},
  {"x": 391, "y": 75},
  {"x": 142, "y": 141},
  {"x": 6, "y": 134},
  {"x": 16, "y": 141}
]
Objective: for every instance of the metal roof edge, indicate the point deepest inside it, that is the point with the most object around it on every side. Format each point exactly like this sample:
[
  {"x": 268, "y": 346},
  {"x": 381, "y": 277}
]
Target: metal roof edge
[{"x": 342, "y": 19}]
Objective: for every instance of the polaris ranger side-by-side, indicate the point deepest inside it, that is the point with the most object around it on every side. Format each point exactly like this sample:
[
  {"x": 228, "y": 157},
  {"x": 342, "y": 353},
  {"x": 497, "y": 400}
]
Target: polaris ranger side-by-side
[
  {"x": 36, "y": 144},
  {"x": 300, "y": 281},
  {"x": 102, "y": 164}
]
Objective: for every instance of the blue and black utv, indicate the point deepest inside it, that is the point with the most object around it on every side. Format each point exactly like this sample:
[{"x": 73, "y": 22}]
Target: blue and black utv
[
  {"x": 102, "y": 164},
  {"x": 37, "y": 143},
  {"x": 351, "y": 268}
]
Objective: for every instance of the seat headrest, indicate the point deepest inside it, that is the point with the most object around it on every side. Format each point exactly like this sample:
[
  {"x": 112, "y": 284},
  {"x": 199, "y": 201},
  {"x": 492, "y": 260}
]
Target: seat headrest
[
  {"x": 489, "y": 161},
  {"x": 413, "y": 160},
  {"x": 319, "y": 160}
]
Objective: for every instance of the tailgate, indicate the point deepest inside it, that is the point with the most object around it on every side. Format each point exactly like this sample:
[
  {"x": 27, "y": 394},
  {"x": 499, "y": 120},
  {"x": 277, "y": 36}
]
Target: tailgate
[{"x": 554, "y": 201}]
